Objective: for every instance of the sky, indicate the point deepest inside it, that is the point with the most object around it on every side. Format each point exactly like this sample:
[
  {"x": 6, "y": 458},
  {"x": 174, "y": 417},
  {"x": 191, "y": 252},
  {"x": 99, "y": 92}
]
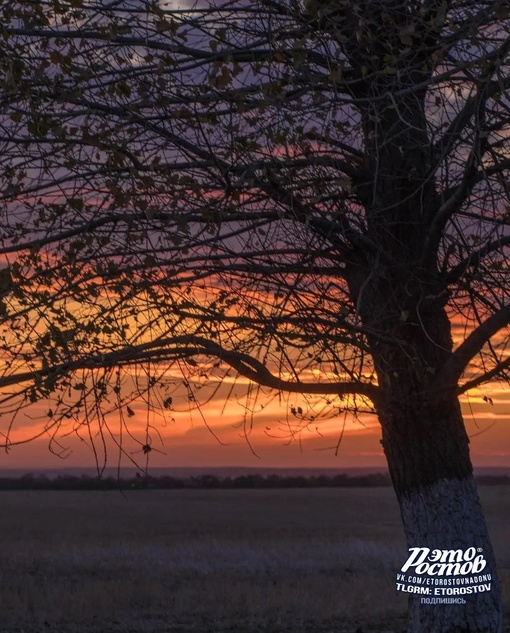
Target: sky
[
  {"x": 224, "y": 432},
  {"x": 216, "y": 436},
  {"x": 220, "y": 439}
]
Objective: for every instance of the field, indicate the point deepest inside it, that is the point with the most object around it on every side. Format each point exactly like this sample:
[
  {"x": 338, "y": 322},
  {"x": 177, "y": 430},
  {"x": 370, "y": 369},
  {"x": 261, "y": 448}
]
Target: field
[{"x": 203, "y": 561}]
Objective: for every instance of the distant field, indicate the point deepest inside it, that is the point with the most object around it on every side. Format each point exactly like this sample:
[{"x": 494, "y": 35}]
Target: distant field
[{"x": 203, "y": 561}]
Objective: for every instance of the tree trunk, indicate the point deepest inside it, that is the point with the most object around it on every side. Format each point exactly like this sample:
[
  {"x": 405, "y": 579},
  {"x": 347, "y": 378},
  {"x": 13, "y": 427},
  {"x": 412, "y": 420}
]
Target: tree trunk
[
  {"x": 448, "y": 515},
  {"x": 423, "y": 436},
  {"x": 400, "y": 298},
  {"x": 425, "y": 441},
  {"x": 428, "y": 458}
]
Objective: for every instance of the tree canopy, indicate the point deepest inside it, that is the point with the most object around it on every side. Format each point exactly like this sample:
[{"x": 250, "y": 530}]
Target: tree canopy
[{"x": 211, "y": 189}]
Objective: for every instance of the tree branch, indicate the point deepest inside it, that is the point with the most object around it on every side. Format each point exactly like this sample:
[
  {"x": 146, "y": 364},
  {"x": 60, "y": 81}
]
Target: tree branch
[
  {"x": 190, "y": 345},
  {"x": 475, "y": 258},
  {"x": 453, "y": 369},
  {"x": 457, "y": 126},
  {"x": 479, "y": 380}
]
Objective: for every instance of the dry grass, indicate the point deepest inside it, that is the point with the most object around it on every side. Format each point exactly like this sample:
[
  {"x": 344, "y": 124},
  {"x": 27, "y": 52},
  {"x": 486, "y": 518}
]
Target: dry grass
[{"x": 209, "y": 560}]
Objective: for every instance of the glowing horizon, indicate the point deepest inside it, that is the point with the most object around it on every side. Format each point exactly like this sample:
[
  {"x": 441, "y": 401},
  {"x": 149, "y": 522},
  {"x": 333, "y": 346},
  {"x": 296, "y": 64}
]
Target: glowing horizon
[{"x": 189, "y": 442}]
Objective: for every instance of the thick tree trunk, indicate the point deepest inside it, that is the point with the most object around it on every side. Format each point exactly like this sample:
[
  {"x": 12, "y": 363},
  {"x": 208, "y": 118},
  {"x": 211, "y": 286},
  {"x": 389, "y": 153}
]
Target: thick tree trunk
[
  {"x": 424, "y": 437},
  {"x": 425, "y": 441},
  {"x": 428, "y": 458},
  {"x": 448, "y": 515},
  {"x": 400, "y": 297}
]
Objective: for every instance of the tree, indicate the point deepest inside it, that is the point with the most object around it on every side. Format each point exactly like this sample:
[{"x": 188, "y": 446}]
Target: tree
[{"x": 305, "y": 195}]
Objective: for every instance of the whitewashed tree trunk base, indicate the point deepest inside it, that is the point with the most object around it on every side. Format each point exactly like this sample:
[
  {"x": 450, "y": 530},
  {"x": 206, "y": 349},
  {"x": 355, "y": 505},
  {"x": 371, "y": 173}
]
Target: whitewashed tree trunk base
[{"x": 448, "y": 515}]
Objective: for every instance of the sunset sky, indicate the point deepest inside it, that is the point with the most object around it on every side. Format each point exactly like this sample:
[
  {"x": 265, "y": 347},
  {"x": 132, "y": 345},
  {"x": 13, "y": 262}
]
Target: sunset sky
[
  {"x": 187, "y": 441},
  {"x": 224, "y": 432},
  {"x": 228, "y": 434},
  {"x": 219, "y": 434}
]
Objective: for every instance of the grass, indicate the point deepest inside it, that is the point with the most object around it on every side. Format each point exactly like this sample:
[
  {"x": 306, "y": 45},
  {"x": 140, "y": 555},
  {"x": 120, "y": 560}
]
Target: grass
[{"x": 210, "y": 560}]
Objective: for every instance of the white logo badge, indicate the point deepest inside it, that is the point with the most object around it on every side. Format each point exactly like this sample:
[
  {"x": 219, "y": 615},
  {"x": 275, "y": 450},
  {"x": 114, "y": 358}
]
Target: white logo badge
[{"x": 443, "y": 575}]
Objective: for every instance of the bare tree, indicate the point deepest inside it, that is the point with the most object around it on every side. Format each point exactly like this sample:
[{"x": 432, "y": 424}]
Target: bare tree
[{"x": 304, "y": 195}]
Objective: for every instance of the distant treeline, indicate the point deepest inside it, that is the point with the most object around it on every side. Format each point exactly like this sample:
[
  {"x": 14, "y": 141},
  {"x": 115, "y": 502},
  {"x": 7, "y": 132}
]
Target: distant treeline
[{"x": 163, "y": 482}]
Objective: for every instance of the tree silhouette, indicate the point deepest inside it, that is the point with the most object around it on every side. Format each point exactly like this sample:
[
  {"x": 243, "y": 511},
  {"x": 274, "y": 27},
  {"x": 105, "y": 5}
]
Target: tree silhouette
[{"x": 304, "y": 195}]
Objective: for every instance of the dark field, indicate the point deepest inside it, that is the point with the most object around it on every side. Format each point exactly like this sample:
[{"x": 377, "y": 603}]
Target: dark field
[{"x": 237, "y": 561}]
